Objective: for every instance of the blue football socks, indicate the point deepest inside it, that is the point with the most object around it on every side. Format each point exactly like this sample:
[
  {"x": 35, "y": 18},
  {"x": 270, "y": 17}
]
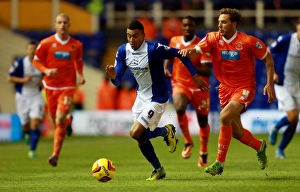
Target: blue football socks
[
  {"x": 158, "y": 131},
  {"x": 287, "y": 137},
  {"x": 282, "y": 122},
  {"x": 148, "y": 152},
  {"x": 34, "y": 139}
]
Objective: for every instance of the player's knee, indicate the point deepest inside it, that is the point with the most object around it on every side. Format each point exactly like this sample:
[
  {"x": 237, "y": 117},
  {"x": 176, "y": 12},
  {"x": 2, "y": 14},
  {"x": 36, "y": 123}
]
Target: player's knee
[
  {"x": 237, "y": 134},
  {"x": 134, "y": 134},
  {"x": 225, "y": 119},
  {"x": 180, "y": 111},
  {"x": 60, "y": 118},
  {"x": 294, "y": 121},
  {"x": 293, "y": 118},
  {"x": 35, "y": 123},
  {"x": 142, "y": 142},
  {"x": 35, "y": 127},
  {"x": 203, "y": 124},
  {"x": 202, "y": 120}
]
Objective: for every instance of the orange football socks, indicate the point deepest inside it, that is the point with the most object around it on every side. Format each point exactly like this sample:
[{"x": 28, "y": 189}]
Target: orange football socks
[
  {"x": 250, "y": 140},
  {"x": 204, "y": 136},
  {"x": 59, "y": 136},
  {"x": 68, "y": 120},
  {"x": 224, "y": 142},
  {"x": 183, "y": 123}
]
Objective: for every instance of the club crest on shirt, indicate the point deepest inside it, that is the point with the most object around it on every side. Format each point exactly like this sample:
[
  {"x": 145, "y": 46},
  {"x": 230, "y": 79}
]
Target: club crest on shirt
[
  {"x": 73, "y": 47},
  {"x": 239, "y": 46},
  {"x": 54, "y": 45},
  {"x": 221, "y": 42},
  {"x": 258, "y": 45}
]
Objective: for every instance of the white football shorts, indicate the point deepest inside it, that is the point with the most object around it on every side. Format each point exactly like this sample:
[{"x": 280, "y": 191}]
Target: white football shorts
[
  {"x": 29, "y": 106},
  {"x": 288, "y": 98},
  {"x": 148, "y": 113}
]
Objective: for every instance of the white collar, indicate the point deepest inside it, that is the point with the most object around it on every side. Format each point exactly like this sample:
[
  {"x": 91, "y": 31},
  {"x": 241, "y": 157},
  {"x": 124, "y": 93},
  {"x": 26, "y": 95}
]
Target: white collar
[
  {"x": 231, "y": 39},
  {"x": 188, "y": 42},
  {"x": 60, "y": 40}
]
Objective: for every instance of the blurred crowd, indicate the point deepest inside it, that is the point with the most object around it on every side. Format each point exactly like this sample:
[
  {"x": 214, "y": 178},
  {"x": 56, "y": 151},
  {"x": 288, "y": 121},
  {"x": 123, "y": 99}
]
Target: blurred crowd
[{"x": 188, "y": 4}]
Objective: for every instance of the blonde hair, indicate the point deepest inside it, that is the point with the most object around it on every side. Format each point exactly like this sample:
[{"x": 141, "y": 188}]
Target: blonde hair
[{"x": 63, "y": 15}]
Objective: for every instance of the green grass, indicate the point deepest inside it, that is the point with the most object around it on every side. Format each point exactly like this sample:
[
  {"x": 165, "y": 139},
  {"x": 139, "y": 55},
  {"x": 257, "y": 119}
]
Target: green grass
[{"x": 73, "y": 173}]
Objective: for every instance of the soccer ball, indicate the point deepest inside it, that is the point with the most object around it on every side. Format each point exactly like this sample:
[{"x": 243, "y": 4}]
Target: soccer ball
[{"x": 103, "y": 170}]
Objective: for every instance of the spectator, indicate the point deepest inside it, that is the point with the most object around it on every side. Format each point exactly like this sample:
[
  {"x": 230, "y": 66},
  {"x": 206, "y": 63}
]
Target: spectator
[
  {"x": 95, "y": 6},
  {"x": 126, "y": 96},
  {"x": 150, "y": 27},
  {"x": 78, "y": 99},
  {"x": 171, "y": 27},
  {"x": 106, "y": 95}
]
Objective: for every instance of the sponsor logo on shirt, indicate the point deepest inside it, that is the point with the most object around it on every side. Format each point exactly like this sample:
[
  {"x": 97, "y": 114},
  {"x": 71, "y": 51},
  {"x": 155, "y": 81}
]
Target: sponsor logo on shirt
[
  {"x": 62, "y": 55},
  {"x": 230, "y": 55},
  {"x": 139, "y": 68},
  {"x": 135, "y": 61}
]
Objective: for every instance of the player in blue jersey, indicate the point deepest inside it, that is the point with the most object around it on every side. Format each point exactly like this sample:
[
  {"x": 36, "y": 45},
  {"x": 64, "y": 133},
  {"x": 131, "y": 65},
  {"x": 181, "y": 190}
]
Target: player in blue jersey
[
  {"x": 29, "y": 102},
  {"x": 146, "y": 62},
  {"x": 287, "y": 88}
]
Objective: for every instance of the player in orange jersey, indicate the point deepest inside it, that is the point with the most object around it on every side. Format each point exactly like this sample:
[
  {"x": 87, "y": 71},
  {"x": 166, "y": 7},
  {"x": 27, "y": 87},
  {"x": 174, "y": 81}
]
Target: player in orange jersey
[
  {"x": 233, "y": 54},
  {"x": 59, "y": 57},
  {"x": 185, "y": 90}
]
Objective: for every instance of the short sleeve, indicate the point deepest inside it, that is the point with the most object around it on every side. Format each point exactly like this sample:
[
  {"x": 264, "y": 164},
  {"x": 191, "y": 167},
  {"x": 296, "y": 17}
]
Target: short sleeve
[
  {"x": 41, "y": 51},
  {"x": 14, "y": 68},
  {"x": 258, "y": 48}
]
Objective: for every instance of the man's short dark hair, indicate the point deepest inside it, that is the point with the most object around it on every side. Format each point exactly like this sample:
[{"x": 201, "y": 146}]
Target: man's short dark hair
[
  {"x": 135, "y": 24},
  {"x": 32, "y": 43},
  {"x": 190, "y": 18}
]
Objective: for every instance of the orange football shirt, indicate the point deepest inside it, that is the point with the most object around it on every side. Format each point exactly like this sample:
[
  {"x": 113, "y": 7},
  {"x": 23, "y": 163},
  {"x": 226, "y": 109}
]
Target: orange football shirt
[
  {"x": 233, "y": 59},
  {"x": 180, "y": 73},
  {"x": 66, "y": 56}
]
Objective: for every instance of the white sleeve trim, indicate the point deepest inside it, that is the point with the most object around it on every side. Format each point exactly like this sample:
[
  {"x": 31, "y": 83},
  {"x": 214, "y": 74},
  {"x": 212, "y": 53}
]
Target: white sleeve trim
[
  {"x": 265, "y": 55},
  {"x": 198, "y": 49}
]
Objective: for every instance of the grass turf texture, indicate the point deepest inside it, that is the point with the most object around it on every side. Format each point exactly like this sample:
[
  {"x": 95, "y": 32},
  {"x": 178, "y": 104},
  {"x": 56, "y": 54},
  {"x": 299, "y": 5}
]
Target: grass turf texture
[{"x": 73, "y": 173}]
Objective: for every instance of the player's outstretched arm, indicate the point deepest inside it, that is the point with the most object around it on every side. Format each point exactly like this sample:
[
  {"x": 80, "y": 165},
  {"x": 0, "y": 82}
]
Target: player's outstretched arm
[
  {"x": 167, "y": 64},
  {"x": 269, "y": 87},
  {"x": 79, "y": 70},
  {"x": 110, "y": 71},
  {"x": 51, "y": 72},
  {"x": 80, "y": 79},
  {"x": 190, "y": 53},
  {"x": 15, "y": 79}
]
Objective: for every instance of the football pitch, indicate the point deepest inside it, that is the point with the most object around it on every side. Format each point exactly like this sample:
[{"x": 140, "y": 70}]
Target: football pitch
[{"x": 73, "y": 173}]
